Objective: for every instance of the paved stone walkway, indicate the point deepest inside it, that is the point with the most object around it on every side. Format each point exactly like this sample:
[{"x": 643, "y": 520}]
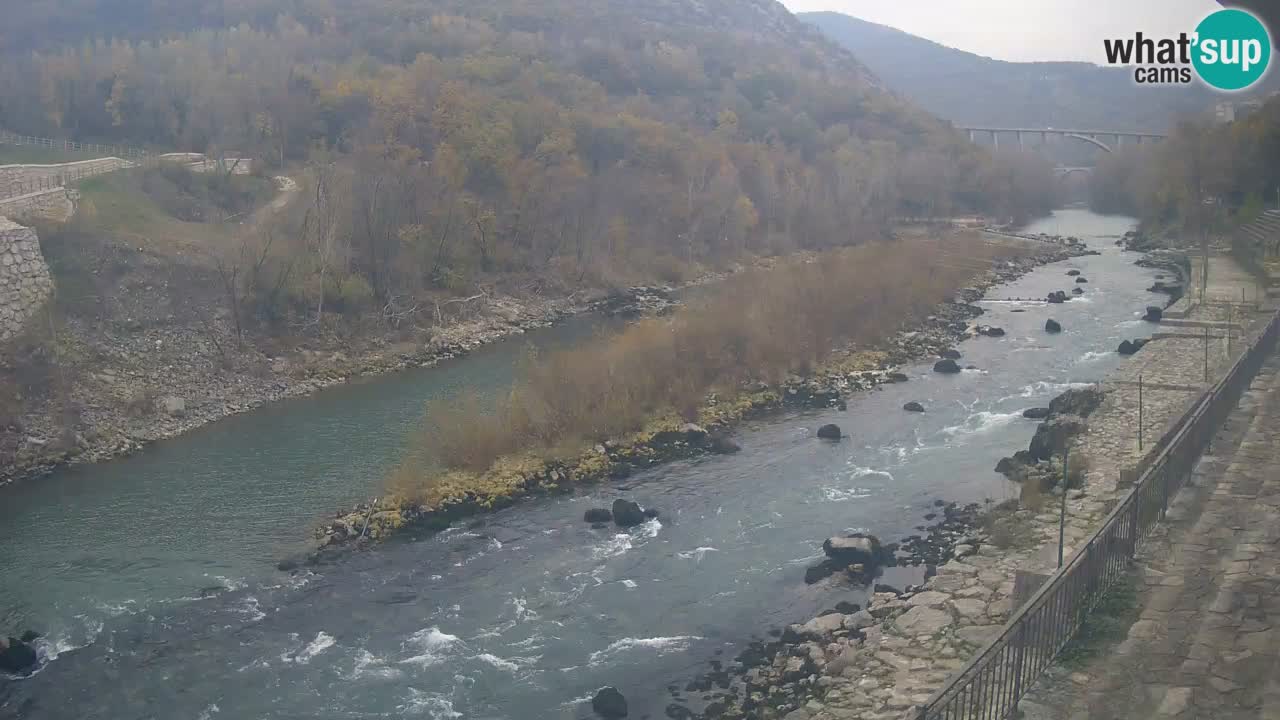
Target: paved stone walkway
[
  {"x": 1207, "y": 642},
  {"x": 919, "y": 641}
]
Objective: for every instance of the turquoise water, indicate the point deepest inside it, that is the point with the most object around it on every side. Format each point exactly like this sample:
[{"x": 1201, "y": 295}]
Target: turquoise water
[{"x": 519, "y": 614}]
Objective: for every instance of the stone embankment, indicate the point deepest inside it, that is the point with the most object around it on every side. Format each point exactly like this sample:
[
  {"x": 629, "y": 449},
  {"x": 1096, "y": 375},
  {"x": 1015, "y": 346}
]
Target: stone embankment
[
  {"x": 25, "y": 284},
  {"x": 161, "y": 380},
  {"x": 882, "y": 662}
]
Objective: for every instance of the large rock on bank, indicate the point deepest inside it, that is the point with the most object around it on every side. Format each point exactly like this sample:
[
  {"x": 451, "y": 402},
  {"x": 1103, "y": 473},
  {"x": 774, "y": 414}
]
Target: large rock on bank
[
  {"x": 1077, "y": 401},
  {"x": 1130, "y": 347},
  {"x": 1054, "y": 436}
]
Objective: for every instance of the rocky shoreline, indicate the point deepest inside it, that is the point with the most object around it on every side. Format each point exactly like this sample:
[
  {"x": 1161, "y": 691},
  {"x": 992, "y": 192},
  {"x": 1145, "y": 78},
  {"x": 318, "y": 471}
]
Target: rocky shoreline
[
  {"x": 671, "y": 438},
  {"x": 139, "y": 395},
  {"x": 880, "y": 662}
]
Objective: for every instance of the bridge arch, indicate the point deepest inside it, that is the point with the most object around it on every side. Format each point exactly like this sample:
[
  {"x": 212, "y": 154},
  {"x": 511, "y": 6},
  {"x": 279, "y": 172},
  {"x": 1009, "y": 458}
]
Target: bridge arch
[{"x": 1105, "y": 147}]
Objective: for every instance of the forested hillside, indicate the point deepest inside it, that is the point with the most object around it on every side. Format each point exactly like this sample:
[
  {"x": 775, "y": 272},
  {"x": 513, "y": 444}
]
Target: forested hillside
[
  {"x": 970, "y": 89},
  {"x": 1202, "y": 175},
  {"x": 493, "y": 135}
]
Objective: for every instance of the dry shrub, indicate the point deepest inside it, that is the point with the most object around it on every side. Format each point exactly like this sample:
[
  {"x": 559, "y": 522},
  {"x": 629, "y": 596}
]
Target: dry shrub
[{"x": 759, "y": 325}]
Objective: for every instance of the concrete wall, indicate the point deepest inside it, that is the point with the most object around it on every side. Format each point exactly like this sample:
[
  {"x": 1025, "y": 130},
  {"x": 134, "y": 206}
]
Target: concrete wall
[
  {"x": 199, "y": 162},
  {"x": 25, "y": 284}
]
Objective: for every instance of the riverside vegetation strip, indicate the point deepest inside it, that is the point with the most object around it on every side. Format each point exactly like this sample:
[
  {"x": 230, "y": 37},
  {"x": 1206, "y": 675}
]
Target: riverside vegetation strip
[{"x": 885, "y": 308}]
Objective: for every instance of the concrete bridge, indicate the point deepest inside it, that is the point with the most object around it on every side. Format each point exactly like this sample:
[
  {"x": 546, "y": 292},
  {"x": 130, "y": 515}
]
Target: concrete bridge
[{"x": 1089, "y": 136}]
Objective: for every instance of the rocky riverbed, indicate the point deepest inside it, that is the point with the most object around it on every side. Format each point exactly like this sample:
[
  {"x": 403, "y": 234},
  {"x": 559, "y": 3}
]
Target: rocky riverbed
[
  {"x": 669, "y": 438},
  {"x": 882, "y": 661}
]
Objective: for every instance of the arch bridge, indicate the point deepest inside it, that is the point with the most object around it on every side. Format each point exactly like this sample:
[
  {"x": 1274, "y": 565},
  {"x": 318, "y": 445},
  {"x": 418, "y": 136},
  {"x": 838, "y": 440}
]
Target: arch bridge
[{"x": 1093, "y": 137}]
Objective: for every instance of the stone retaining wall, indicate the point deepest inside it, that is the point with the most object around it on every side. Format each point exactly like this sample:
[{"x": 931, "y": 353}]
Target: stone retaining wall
[
  {"x": 25, "y": 179},
  {"x": 55, "y": 204},
  {"x": 25, "y": 284}
]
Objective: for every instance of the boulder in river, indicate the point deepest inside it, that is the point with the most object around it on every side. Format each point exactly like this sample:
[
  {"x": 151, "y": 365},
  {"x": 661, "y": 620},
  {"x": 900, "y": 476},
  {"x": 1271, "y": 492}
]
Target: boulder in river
[
  {"x": 1052, "y": 326},
  {"x": 913, "y": 406},
  {"x": 950, "y": 354},
  {"x": 989, "y": 331},
  {"x": 1036, "y": 413},
  {"x": 1077, "y": 290},
  {"x": 721, "y": 444},
  {"x": 17, "y": 657},
  {"x": 1073, "y": 273},
  {"x": 829, "y": 432},
  {"x": 627, "y": 513},
  {"x": 1154, "y": 314},
  {"x": 858, "y": 548},
  {"x": 947, "y": 366},
  {"x": 1057, "y": 296},
  {"x": 1081, "y": 281},
  {"x": 609, "y": 703},
  {"x": 896, "y": 377},
  {"x": 598, "y": 515}
]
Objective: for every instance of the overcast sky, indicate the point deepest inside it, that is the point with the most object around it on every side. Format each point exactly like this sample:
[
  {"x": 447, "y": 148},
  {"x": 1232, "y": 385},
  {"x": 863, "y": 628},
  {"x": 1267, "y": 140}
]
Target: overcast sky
[{"x": 1024, "y": 29}]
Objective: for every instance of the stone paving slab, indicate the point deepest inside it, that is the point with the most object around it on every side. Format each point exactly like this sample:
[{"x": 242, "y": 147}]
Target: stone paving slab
[
  {"x": 1207, "y": 642},
  {"x": 902, "y": 662}
]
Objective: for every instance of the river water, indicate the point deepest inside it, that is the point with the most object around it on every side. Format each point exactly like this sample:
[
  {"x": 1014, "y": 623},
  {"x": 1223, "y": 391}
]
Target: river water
[{"x": 525, "y": 612}]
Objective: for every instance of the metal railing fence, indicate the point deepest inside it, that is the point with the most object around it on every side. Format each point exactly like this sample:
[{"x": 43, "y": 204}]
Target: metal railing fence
[
  {"x": 122, "y": 151},
  {"x": 63, "y": 176},
  {"x": 997, "y": 677}
]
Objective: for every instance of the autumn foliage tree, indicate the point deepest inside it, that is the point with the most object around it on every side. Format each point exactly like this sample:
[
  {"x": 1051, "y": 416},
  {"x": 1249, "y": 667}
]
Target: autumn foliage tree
[{"x": 444, "y": 143}]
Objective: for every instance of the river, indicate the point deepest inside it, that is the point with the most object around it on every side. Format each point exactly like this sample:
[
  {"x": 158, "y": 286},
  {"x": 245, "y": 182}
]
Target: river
[{"x": 522, "y": 613}]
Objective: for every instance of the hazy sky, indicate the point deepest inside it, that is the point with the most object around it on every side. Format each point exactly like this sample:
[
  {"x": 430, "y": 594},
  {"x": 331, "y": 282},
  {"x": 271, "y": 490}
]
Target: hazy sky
[{"x": 1024, "y": 29}]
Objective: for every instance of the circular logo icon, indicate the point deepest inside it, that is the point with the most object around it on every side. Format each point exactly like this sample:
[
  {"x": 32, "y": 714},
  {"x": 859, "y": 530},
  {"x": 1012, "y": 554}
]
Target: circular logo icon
[{"x": 1233, "y": 49}]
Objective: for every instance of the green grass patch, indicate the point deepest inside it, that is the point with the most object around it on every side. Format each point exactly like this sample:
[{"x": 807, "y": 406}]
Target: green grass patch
[
  {"x": 118, "y": 205},
  {"x": 1106, "y": 625},
  {"x": 169, "y": 199}
]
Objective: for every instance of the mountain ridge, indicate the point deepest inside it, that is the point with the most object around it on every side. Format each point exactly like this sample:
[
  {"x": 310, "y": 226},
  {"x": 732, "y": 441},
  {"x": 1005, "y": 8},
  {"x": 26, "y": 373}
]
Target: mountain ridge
[{"x": 971, "y": 89}]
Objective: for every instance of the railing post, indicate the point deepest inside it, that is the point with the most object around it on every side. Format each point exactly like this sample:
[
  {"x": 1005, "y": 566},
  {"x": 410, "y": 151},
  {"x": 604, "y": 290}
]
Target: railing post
[
  {"x": 1135, "y": 516},
  {"x": 1019, "y": 661}
]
